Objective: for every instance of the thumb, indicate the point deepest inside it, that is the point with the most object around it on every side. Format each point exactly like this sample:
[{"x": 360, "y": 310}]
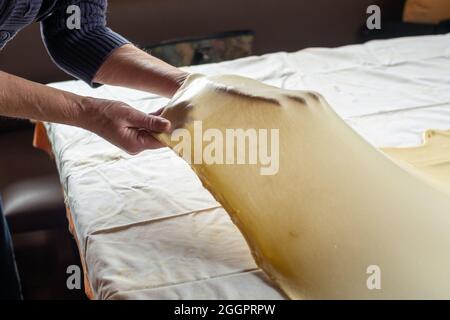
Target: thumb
[{"x": 154, "y": 123}]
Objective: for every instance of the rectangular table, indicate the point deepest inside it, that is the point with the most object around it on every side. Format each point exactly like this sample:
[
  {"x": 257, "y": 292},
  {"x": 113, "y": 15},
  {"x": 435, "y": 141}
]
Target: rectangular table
[{"x": 146, "y": 227}]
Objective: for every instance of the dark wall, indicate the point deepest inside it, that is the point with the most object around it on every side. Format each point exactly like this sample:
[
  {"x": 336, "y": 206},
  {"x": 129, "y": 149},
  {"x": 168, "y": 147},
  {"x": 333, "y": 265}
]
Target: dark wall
[{"x": 279, "y": 25}]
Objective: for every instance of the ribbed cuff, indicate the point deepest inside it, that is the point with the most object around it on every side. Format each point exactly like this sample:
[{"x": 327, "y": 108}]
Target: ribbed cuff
[{"x": 81, "y": 53}]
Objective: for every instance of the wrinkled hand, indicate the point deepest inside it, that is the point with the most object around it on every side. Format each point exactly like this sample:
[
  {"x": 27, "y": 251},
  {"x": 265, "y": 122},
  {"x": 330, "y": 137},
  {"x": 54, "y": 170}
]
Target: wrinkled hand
[{"x": 126, "y": 127}]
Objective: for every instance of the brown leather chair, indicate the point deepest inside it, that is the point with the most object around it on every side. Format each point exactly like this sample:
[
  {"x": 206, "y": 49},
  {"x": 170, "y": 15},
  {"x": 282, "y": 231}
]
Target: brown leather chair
[
  {"x": 34, "y": 204},
  {"x": 34, "y": 208},
  {"x": 29, "y": 185}
]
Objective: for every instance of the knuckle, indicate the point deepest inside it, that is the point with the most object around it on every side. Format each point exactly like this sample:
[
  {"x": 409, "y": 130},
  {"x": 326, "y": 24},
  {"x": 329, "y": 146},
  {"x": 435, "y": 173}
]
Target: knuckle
[
  {"x": 151, "y": 121},
  {"x": 132, "y": 150}
]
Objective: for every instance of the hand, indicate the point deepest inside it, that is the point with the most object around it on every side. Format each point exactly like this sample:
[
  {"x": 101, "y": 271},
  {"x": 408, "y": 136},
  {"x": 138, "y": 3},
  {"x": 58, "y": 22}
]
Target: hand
[{"x": 126, "y": 127}]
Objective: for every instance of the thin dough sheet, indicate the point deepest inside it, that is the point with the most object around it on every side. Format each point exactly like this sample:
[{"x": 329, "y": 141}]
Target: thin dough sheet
[
  {"x": 432, "y": 158},
  {"x": 336, "y": 211}
]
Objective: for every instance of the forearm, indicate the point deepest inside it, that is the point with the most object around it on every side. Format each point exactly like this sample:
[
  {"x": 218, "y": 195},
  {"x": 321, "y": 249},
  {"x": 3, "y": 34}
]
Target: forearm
[
  {"x": 21, "y": 98},
  {"x": 115, "y": 121},
  {"x": 131, "y": 67}
]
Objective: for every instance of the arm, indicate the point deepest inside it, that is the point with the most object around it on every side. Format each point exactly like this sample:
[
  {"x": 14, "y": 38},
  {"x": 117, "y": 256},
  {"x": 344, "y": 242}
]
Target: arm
[
  {"x": 97, "y": 55},
  {"x": 115, "y": 121},
  {"x": 82, "y": 52},
  {"x": 131, "y": 67}
]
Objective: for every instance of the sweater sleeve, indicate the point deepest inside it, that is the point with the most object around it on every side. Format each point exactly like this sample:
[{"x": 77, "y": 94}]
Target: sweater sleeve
[{"x": 80, "y": 51}]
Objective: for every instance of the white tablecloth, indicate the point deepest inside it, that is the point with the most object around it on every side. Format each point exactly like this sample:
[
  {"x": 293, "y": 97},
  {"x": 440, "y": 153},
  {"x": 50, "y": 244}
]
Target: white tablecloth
[{"x": 147, "y": 229}]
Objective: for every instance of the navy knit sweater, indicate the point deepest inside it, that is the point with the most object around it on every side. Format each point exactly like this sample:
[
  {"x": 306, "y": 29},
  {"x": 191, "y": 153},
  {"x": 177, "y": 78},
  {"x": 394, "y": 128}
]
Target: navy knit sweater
[{"x": 79, "y": 52}]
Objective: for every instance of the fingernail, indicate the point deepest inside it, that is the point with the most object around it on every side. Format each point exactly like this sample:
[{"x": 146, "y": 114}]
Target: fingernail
[
  {"x": 164, "y": 124},
  {"x": 167, "y": 124}
]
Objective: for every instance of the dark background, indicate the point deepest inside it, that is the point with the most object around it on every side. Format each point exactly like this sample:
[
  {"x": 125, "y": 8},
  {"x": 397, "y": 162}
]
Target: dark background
[{"x": 279, "y": 25}]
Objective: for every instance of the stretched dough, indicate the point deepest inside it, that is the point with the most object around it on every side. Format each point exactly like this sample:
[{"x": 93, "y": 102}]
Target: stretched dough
[
  {"x": 340, "y": 219},
  {"x": 432, "y": 158}
]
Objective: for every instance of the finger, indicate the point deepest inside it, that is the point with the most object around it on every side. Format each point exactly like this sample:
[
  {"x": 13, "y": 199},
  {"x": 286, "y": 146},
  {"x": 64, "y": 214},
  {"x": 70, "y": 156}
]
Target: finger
[
  {"x": 151, "y": 123},
  {"x": 157, "y": 124},
  {"x": 157, "y": 112},
  {"x": 148, "y": 141}
]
